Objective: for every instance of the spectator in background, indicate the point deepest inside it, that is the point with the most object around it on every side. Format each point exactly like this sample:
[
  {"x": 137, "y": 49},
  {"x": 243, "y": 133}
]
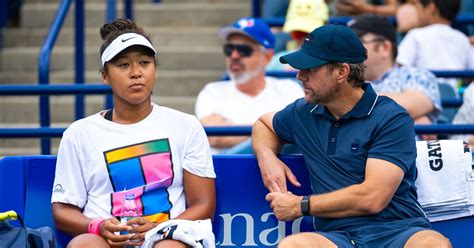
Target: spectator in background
[
  {"x": 407, "y": 17},
  {"x": 249, "y": 93},
  {"x": 415, "y": 89},
  {"x": 276, "y": 9},
  {"x": 359, "y": 7},
  {"x": 303, "y": 17},
  {"x": 436, "y": 45},
  {"x": 465, "y": 114},
  {"x": 157, "y": 158}
]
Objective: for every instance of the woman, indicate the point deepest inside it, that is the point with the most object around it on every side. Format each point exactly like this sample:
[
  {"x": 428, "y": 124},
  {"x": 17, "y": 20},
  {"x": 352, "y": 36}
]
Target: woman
[{"x": 155, "y": 157}]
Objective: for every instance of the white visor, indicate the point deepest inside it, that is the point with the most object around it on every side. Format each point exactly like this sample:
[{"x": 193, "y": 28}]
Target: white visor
[{"x": 122, "y": 42}]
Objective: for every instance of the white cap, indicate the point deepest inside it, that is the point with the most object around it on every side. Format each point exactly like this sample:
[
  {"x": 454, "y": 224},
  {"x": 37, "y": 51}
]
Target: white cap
[{"x": 122, "y": 42}]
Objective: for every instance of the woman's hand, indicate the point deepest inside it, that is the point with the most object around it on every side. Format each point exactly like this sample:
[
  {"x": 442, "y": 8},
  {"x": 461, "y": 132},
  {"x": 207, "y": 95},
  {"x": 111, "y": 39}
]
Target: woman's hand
[
  {"x": 110, "y": 227},
  {"x": 140, "y": 226}
]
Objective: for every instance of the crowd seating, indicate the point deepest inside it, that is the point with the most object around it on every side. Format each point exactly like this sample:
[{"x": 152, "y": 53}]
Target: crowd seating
[{"x": 243, "y": 217}]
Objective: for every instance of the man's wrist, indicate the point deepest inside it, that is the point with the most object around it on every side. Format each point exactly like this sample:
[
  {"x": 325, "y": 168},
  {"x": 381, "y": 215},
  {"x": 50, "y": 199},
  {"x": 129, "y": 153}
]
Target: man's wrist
[{"x": 305, "y": 205}]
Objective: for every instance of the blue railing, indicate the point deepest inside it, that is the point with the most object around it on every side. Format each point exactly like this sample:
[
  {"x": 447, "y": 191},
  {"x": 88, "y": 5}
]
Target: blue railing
[
  {"x": 227, "y": 131},
  {"x": 43, "y": 66},
  {"x": 79, "y": 72},
  {"x": 44, "y": 90},
  {"x": 97, "y": 89}
]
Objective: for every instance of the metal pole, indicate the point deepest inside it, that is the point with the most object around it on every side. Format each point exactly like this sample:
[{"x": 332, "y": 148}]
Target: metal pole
[
  {"x": 79, "y": 56},
  {"x": 110, "y": 16}
]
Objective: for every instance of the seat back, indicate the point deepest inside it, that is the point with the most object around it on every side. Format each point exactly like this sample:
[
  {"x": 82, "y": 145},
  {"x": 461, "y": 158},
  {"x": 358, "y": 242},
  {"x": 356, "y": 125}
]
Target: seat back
[
  {"x": 242, "y": 218},
  {"x": 446, "y": 116}
]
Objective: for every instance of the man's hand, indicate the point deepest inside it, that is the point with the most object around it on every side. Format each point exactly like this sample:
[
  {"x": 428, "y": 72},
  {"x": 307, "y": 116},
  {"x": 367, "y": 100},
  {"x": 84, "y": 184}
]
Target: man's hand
[
  {"x": 215, "y": 120},
  {"x": 353, "y": 7},
  {"x": 286, "y": 206},
  {"x": 274, "y": 174}
]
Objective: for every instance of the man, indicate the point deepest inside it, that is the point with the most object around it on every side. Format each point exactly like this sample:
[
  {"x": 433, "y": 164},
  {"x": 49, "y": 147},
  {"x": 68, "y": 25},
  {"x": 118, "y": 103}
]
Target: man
[
  {"x": 248, "y": 94},
  {"x": 415, "y": 89},
  {"x": 359, "y": 149}
]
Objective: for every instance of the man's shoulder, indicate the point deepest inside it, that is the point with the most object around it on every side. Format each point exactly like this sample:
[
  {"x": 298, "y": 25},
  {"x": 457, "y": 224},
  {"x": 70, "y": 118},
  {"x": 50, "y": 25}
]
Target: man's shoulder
[
  {"x": 387, "y": 107},
  {"x": 301, "y": 107}
]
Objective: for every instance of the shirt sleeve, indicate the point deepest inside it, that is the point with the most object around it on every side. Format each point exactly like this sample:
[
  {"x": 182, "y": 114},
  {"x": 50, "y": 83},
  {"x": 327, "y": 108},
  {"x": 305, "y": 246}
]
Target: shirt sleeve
[
  {"x": 204, "y": 102},
  {"x": 197, "y": 156},
  {"x": 283, "y": 123},
  {"x": 407, "y": 50},
  {"x": 69, "y": 183},
  {"x": 395, "y": 141}
]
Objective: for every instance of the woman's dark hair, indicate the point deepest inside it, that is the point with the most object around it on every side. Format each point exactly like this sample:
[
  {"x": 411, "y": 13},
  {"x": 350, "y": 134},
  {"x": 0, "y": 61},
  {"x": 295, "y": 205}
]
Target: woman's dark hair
[{"x": 110, "y": 31}]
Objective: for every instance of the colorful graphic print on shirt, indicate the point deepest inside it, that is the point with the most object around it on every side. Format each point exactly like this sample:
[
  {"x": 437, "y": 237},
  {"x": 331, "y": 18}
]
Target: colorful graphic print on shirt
[{"x": 146, "y": 170}]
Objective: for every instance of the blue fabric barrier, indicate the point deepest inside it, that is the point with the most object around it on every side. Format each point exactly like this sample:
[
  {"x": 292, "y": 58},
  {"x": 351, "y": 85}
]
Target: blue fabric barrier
[{"x": 243, "y": 217}]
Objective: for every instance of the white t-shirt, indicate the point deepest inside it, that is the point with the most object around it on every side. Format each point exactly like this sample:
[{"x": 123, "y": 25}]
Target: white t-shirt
[
  {"x": 436, "y": 47},
  {"x": 225, "y": 99},
  {"x": 99, "y": 161}
]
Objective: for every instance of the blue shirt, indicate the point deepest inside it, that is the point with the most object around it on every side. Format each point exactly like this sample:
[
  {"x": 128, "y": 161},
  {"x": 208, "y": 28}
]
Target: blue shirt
[
  {"x": 336, "y": 151},
  {"x": 399, "y": 79}
]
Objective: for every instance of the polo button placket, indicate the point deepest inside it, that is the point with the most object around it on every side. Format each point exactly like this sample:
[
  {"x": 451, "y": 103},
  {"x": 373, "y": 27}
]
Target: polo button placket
[{"x": 332, "y": 138}]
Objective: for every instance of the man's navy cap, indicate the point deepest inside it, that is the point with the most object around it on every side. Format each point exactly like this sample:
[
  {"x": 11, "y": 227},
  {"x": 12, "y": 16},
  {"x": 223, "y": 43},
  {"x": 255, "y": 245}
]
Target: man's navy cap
[
  {"x": 329, "y": 43},
  {"x": 253, "y": 28}
]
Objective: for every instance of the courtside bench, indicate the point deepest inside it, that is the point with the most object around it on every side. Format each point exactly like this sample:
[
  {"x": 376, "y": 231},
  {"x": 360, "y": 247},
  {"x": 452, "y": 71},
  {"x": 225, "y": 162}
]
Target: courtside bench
[{"x": 243, "y": 217}]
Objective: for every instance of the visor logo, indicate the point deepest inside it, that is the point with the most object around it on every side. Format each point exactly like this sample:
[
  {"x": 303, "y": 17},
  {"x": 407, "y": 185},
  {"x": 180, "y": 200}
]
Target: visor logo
[{"x": 124, "y": 40}]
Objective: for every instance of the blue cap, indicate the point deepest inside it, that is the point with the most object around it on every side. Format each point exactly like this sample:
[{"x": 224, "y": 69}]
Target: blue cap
[
  {"x": 253, "y": 28},
  {"x": 329, "y": 43}
]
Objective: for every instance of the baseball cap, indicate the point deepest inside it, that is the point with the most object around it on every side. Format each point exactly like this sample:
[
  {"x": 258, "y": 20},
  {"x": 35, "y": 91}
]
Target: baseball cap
[
  {"x": 305, "y": 15},
  {"x": 253, "y": 28},
  {"x": 123, "y": 42},
  {"x": 378, "y": 25},
  {"x": 329, "y": 43}
]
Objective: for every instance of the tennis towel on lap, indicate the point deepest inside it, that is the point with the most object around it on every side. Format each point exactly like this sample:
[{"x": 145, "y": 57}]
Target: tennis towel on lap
[
  {"x": 196, "y": 234},
  {"x": 443, "y": 185}
]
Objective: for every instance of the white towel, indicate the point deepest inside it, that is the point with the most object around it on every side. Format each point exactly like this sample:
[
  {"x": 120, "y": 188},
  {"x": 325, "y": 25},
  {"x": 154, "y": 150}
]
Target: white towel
[
  {"x": 197, "y": 234},
  {"x": 444, "y": 168}
]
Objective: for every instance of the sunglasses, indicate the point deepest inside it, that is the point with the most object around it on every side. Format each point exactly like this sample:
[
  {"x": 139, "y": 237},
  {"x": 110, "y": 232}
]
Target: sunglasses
[{"x": 243, "y": 50}]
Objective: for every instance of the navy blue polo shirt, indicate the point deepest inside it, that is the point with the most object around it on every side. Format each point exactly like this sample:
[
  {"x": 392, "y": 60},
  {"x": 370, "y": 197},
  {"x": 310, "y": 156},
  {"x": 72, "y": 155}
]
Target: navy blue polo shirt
[{"x": 336, "y": 151}]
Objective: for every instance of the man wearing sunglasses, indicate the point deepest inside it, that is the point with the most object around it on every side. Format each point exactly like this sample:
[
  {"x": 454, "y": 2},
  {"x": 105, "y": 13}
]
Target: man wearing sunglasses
[
  {"x": 248, "y": 48},
  {"x": 415, "y": 89},
  {"x": 359, "y": 149}
]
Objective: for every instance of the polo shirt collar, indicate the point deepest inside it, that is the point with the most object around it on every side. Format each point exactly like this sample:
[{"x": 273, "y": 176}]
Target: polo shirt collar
[{"x": 362, "y": 108}]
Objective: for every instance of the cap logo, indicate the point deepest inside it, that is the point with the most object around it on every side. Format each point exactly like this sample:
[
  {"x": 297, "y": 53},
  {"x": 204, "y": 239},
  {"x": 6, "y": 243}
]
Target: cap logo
[
  {"x": 246, "y": 23},
  {"x": 308, "y": 38},
  {"x": 123, "y": 40}
]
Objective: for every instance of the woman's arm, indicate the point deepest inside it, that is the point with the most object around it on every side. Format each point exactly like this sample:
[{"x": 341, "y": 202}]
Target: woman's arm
[
  {"x": 69, "y": 219},
  {"x": 200, "y": 197}
]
